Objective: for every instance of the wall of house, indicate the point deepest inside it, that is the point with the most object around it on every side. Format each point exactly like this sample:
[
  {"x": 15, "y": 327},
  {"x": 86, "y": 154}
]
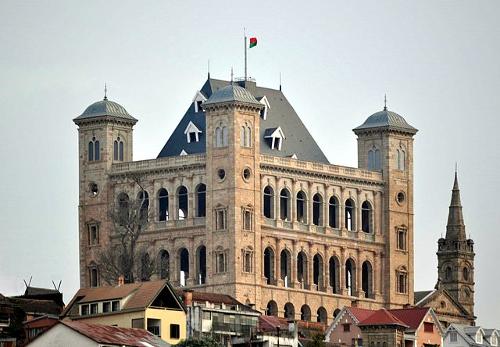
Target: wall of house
[
  {"x": 424, "y": 337},
  {"x": 62, "y": 336},
  {"x": 168, "y": 317},
  {"x": 339, "y": 336},
  {"x": 123, "y": 320}
]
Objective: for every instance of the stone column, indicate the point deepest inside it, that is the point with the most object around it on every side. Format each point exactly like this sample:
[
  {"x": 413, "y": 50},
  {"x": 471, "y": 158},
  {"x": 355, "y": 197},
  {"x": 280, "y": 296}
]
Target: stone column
[
  {"x": 192, "y": 263},
  {"x": 310, "y": 266},
  {"x": 359, "y": 271},
  {"x": 293, "y": 202},
  {"x": 342, "y": 225},
  {"x": 342, "y": 283},
  {"x": 293, "y": 270},
  {"x": 309, "y": 205},
  {"x": 277, "y": 262},
  {"x": 326, "y": 210},
  {"x": 359, "y": 198}
]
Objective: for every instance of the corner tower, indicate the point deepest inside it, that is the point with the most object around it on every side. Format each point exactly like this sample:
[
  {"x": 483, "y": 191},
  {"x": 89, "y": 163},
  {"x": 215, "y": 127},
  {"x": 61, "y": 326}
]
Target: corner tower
[
  {"x": 456, "y": 255},
  {"x": 385, "y": 144},
  {"x": 104, "y": 138},
  {"x": 233, "y": 189}
]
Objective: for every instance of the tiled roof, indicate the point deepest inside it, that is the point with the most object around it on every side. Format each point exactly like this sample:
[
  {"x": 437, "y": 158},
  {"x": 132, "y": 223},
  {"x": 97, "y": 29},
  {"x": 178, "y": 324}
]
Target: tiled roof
[
  {"x": 105, "y": 334},
  {"x": 411, "y": 316},
  {"x": 382, "y": 317},
  {"x": 36, "y": 306},
  {"x": 360, "y": 313},
  {"x": 270, "y": 323}
]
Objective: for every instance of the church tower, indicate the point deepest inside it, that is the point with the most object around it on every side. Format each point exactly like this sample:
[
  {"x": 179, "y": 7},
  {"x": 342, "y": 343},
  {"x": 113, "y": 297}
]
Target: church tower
[
  {"x": 104, "y": 138},
  {"x": 456, "y": 255}
]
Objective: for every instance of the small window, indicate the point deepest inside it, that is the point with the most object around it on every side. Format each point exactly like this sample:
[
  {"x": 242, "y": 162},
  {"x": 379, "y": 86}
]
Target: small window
[
  {"x": 93, "y": 308},
  {"x": 106, "y": 306},
  {"x": 401, "y": 284},
  {"x": 453, "y": 336},
  {"x": 118, "y": 149},
  {"x": 347, "y": 327},
  {"x": 94, "y": 277},
  {"x": 94, "y": 150},
  {"x": 221, "y": 173},
  {"x": 401, "y": 239},
  {"x": 175, "y": 331},
  {"x": 428, "y": 327},
  {"x": 84, "y": 310},
  {"x": 115, "y": 306},
  {"x": 247, "y": 219},
  {"x": 247, "y": 260},
  {"x": 220, "y": 262},
  {"x": 154, "y": 326},
  {"x": 400, "y": 198},
  {"x": 93, "y": 234},
  {"x": 465, "y": 273},
  {"x": 220, "y": 219},
  {"x": 246, "y": 174}
]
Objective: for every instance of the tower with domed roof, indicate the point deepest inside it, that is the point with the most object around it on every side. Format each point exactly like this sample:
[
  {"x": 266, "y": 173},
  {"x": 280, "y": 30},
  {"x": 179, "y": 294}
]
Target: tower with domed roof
[{"x": 104, "y": 137}]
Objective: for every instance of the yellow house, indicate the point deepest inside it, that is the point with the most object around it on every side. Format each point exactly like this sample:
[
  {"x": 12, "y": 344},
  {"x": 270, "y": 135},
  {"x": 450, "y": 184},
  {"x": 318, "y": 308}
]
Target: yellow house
[{"x": 147, "y": 305}]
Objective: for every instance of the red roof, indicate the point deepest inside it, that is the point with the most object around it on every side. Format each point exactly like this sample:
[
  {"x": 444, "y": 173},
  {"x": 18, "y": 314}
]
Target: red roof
[
  {"x": 411, "y": 316},
  {"x": 114, "y": 335},
  {"x": 270, "y": 323},
  {"x": 382, "y": 317},
  {"x": 360, "y": 313}
]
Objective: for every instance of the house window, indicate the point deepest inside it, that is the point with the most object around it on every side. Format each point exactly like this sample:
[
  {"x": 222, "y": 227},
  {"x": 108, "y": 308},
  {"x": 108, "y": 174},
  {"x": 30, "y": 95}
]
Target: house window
[
  {"x": 248, "y": 260},
  {"x": 154, "y": 326},
  {"x": 268, "y": 205},
  {"x": 106, "y": 306},
  {"x": 401, "y": 278},
  {"x": 84, "y": 310},
  {"x": 138, "y": 323},
  {"x": 115, "y": 306},
  {"x": 453, "y": 336},
  {"x": 247, "y": 219},
  {"x": 428, "y": 327},
  {"x": 93, "y": 308},
  {"x": 93, "y": 230},
  {"x": 175, "y": 331},
  {"x": 401, "y": 234},
  {"x": 220, "y": 219},
  {"x": 220, "y": 261},
  {"x": 347, "y": 327},
  {"x": 94, "y": 276},
  {"x": 192, "y": 133}
]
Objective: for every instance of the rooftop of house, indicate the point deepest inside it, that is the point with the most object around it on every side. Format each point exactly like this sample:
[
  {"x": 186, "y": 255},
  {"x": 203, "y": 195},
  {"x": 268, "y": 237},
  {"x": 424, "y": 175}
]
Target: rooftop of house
[
  {"x": 382, "y": 317},
  {"x": 469, "y": 334},
  {"x": 215, "y": 298}
]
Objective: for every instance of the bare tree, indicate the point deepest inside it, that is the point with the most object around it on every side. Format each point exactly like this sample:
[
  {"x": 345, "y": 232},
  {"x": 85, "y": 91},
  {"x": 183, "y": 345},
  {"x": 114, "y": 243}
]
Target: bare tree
[{"x": 123, "y": 256}]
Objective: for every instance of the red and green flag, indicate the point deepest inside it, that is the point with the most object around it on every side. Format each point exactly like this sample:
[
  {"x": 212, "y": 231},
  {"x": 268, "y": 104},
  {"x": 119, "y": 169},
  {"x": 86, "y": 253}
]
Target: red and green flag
[{"x": 253, "y": 42}]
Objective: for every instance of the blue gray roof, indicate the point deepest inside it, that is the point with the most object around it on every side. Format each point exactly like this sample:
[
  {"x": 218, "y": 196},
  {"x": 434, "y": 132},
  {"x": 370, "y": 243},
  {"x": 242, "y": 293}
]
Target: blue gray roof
[
  {"x": 386, "y": 119},
  {"x": 298, "y": 140},
  {"x": 106, "y": 108},
  {"x": 232, "y": 93}
]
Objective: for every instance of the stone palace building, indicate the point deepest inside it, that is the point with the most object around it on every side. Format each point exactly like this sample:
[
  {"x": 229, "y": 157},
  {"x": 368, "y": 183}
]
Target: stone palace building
[{"x": 242, "y": 201}]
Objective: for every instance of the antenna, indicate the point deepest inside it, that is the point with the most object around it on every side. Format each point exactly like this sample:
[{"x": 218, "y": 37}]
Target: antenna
[
  {"x": 29, "y": 283},
  {"x": 385, "y": 102},
  {"x": 105, "y": 91},
  {"x": 456, "y": 167},
  {"x": 208, "y": 68},
  {"x": 231, "y": 75}
]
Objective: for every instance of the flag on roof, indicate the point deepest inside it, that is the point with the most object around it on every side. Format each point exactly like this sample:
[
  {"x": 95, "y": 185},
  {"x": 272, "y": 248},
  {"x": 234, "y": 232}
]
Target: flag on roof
[{"x": 253, "y": 42}]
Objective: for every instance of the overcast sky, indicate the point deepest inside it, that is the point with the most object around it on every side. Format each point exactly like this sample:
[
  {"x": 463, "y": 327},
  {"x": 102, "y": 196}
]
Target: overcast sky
[{"x": 438, "y": 62}]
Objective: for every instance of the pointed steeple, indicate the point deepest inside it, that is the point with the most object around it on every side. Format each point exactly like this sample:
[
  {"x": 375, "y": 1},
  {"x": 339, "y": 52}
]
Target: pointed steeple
[{"x": 455, "y": 229}]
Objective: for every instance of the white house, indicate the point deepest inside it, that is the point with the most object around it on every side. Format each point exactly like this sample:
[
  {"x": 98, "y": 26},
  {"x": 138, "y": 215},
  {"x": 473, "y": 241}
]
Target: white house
[{"x": 462, "y": 336}]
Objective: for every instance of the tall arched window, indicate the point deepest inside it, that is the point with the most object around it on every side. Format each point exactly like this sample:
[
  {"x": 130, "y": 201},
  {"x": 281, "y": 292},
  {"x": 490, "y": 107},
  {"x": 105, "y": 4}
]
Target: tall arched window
[
  {"x": 349, "y": 215},
  {"x": 321, "y": 315},
  {"x": 224, "y": 136},
  {"x": 94, "y": 275},
  {"x": 317, "y": 209},
  {"x": 201, "y": 264},
  {"x": 162, "y": 205},
  {"x": 286, "y": 267},
  {"x": 305, "y": 313},
  {"x": 272, "y": 308},
  {"x": 269, "y": 265},
  {"x": 183, "y": 266},
  {"x": 201, "y": 200},
  {"x": 118, "y": 149},
  {"x": 366, "y": 217},
  {"x": 465, "y": 274},
  {"x": 242, "y": 136},
  {"x": 163, "y": 264},
  {"x": 91, "y": 151},
  {"x": 218, "y": 137},
  {"x": 447, "y": 273},
  {"x": 350, "y": 276},
  {"x": 143, "y": 199},
  {"x": 374, "y": 159},
  {"x": 333, "y": 208},
  {"x": 334, "y": 268},
  {"x": 289, "y": 311},
  {"x": 318, "y": 271},
  {"x": 268, "y": 206},
  {"x": 302, "y": 269},
  {"x": 367, "y": 279},
  {"x": 94, "y": 152},
  {"x": 301, "y": 207},
  {"x": 182, "y": 202},
  {"x": 123, "y": 208},
  {"x": 284, "y": 204},
  {"x": 248, "y": 137},
  {"x": 400, "y": 158}
]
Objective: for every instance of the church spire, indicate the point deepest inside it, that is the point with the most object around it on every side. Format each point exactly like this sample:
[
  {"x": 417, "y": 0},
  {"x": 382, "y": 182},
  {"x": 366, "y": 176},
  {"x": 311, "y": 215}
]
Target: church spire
[{"x": 455, "y": 229}]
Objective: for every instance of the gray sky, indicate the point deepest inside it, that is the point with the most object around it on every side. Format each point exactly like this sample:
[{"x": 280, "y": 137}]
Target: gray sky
[{"x": 438, "y": 62}]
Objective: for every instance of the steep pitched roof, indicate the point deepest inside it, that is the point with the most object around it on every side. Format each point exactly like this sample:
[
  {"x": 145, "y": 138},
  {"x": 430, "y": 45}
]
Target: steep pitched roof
[
  {"x": 105, "y": 334},
  {"x": 382, "y": 317},
  {"x": 280, "y": 114},
  {"x": 412, "y": 317}
]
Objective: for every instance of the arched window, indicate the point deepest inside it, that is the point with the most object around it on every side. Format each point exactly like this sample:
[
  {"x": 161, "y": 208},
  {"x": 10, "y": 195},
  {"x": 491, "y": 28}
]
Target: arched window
[
  {"x": 367, "y": 279},
  {"x": 268, "y": 202},
  {"x": 143, "y": 199},
  {"x": 318, "y": 271},
  {"x": 378, "y": 163},
  {"x": 224, "y": 136},
  {"x": 305, "y": 313},
  {"x": 334, "y": 268},
  {"x": 182, "y": 202},
  {"x": 269, "y": 265},
  {"x": 272, "y": 308},
  {"x": 336, "y": 313},
  {"x": 97, "y": 151},
  {"x": 145, "y": 267},
  {"x": 302, "y": 269},
  {"x": 115, "y": 150},
  {"x": 349, "y": 215},
  {"x": 465, "y": 273},
  {"x": 94, "y": 275},
  {"x": 123, "y": 209},
  {"x": 285, "y": 204},
  {"x": 91, "y": 151},
  {"x": 333, "y": 208},
  {"x": 366, "y": 217},
  {"x": 183, "y": 266},
  {"x": 447, "y": 273},
  {"x": 218, "y": 137},
  {"x": 162, "y": 205},
  {"x": 350, "y": 276},
  {"x": 402, "y": 280},
  {"x": 286, "y": 267},
  {"x": 118, "y": 149},
  {"x": 374, "y": 159},
  {"x": 248, "y": 137},
  {"x": 201, "y": 200},
  {"x": 289, "y": 311},
  {"x": 201, "y": 264},
  {"x": 400, "y": 159},
  {"x": 317, "y": 209},
  {"x": 301, "y": 207},
  {"x": 163, "y": 264},
  {"x": 242, "y": 136},
  {"x": 321, "y": 315}
]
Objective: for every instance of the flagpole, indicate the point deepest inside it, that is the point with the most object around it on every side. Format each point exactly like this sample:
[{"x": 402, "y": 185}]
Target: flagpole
[{"x": 245, "y": 44}]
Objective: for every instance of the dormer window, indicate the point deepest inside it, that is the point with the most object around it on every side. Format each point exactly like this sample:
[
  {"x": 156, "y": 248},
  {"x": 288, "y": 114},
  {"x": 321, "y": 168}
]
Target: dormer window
[
  {"x": 275, "y": 137},
  {"x": 192, "y": 133},
  {"x": 263, "y": 112},
  {"x": 198, "y": 100},
  {"x": 479, "y": 337}
]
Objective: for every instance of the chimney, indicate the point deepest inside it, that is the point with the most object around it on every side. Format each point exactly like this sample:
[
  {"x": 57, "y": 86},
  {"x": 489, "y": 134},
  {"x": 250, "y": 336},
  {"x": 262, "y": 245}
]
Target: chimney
[
  {"x": 188, "y": 297},
  {"x": 121, "y": 280}
]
